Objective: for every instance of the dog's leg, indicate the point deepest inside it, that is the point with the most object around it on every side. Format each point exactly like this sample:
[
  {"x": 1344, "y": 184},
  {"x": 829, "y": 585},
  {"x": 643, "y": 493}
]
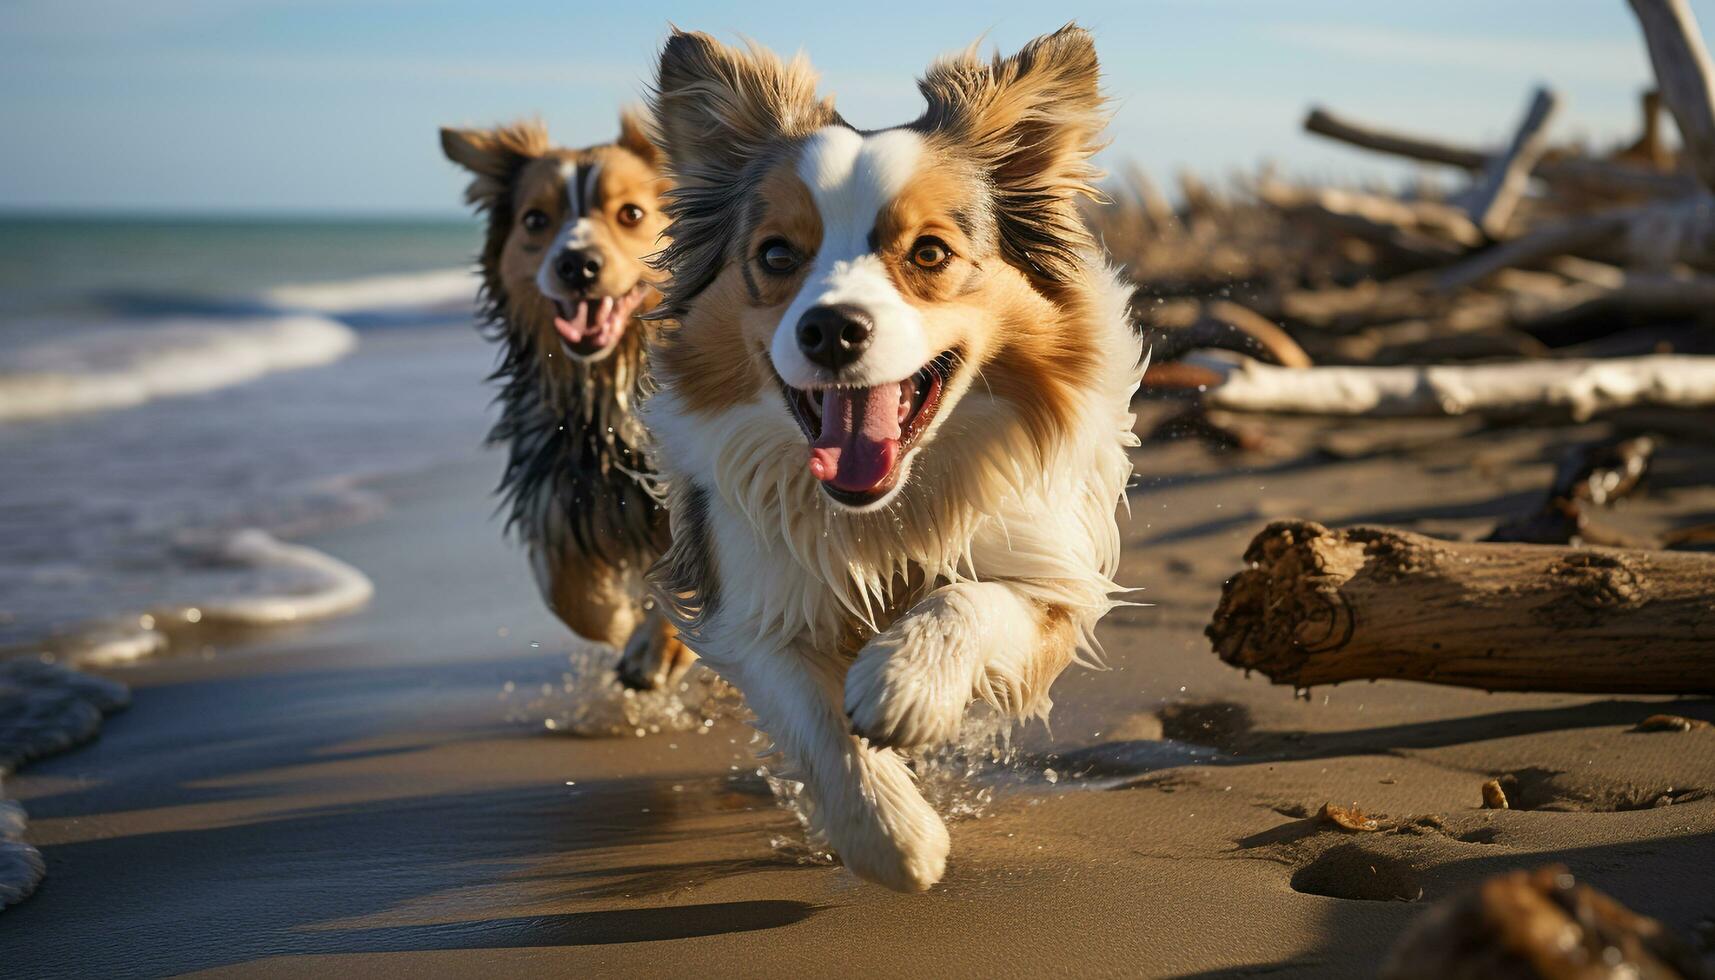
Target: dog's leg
[
  {"x": 595, "y": 601},
  {"x": 863, "y": 798},
  {"x": 910, "y": 685},
  {"x": 654, "y": 657}
]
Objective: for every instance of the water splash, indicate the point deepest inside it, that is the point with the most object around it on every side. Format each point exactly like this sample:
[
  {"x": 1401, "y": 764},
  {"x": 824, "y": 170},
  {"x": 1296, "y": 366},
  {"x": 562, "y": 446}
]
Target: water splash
[
  {"x": 801, "y": 845},
  {"x": 588, "y": 700},
  {"x": 959, "y": 780}
]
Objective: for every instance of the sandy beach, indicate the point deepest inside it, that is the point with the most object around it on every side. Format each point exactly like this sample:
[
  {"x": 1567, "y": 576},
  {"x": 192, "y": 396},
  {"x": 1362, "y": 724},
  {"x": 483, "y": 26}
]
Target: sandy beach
[
  {"x": 279, "y": 698},
  {"x": 382, "y": 794}
]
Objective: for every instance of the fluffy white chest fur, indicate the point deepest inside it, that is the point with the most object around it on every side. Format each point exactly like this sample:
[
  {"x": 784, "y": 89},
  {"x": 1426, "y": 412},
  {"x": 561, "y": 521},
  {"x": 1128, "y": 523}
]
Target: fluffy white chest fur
[{"x": 950, "y": 593}]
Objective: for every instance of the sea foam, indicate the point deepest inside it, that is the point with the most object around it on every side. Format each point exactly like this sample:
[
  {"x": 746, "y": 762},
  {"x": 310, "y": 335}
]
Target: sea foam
[
  {"x": 106, "y": 368},
  {"x": 433, "y": 290},
  {"x": 44, "y": 709},
  {"x": 286, "y": 584},
  {"x": 20, "y": 864}
]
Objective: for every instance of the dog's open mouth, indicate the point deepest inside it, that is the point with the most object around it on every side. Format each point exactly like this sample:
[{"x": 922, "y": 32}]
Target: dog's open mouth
[
  {"x": 591, "y": 326},
  {"x": 858, "y": 436}
]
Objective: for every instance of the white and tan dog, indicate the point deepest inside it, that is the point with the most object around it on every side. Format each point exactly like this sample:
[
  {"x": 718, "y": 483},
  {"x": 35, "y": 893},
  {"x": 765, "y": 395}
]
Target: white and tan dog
[{"x": 893, "y": 412}]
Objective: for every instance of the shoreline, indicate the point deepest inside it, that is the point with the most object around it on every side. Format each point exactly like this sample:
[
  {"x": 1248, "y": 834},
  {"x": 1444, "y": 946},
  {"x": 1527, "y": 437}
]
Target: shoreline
[{"x": 354, "y": 796}]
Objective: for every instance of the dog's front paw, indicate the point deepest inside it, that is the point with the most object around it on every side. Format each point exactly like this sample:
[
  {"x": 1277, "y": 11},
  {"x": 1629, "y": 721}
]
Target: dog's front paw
[
  {"x": 910, "y": 685},
  {"x": 914, "y": 864},
  {"x": 639, "y": 668},
  {"x": 654, "y": 658}
]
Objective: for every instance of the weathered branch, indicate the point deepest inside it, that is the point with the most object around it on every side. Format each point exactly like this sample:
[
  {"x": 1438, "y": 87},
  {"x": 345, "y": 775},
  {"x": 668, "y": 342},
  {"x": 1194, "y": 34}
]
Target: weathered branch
[
  {"x": 1571, "y": 171},
  {"x": 1634, "y": 295},
  {"x": 1491, "y": 201},
  {"x": 1559, "y": 238},
  {"x": 1579, "y": 388},
  {"x": 1175, "y": 329},
  {"x": 1325, "y": 123},
  {"x": 1685, "y": 76},
  {"x": 1316, "y": 606}
]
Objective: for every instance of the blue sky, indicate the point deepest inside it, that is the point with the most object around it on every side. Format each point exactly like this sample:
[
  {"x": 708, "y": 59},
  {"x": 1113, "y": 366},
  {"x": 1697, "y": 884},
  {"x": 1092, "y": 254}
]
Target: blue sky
[{"x": 317, "y": 106}]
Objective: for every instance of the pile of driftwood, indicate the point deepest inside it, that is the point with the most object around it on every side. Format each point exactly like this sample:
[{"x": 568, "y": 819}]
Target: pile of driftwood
[
  {"x": 1558, "y": 280},
  {"x": 1560, "y": 283}
]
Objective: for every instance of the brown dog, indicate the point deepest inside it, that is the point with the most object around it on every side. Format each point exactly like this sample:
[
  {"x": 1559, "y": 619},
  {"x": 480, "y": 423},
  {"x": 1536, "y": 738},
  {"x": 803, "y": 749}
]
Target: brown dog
[{"x": 564, "y": 286}]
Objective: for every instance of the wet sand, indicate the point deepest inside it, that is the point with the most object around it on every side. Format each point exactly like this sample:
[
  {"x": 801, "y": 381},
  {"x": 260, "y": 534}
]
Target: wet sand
[{"x": 355, "y": 796}]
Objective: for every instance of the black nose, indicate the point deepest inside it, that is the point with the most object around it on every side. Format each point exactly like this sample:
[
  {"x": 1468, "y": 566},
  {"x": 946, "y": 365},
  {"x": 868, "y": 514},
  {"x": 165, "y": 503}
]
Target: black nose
[
  {"x": 578, "y": 268},
  {"x": 834, "y": 336}
]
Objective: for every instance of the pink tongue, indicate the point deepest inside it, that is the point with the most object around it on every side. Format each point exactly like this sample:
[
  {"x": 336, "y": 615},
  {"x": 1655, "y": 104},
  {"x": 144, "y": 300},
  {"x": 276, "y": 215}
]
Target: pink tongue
[
  {"x": 598, "y": 322},
  {"x": 574, "y": 329},
  {"x": 860, "y": 437}
]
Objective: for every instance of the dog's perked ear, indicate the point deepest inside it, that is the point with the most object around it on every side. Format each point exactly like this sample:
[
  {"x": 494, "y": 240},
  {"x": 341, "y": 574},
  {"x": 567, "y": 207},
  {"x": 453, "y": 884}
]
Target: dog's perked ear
[
  {"x": 634, "y": 136},
  {"x": 1031, "y": 122},
  {"x": 722, "y": 114},
  {"x": 716, "y": 107},
  {"x": 495, "y": 156}
]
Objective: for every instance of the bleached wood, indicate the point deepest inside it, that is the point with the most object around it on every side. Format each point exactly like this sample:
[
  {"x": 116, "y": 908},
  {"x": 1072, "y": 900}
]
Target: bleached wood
[
  {"x": 1685, "y": 77},
  {"x": 1578, "y": 388},
  {"x": 1492, "y": 199}
]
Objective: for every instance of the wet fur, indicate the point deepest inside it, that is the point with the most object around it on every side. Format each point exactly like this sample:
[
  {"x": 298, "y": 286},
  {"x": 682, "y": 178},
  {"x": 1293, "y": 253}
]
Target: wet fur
[
  {"x": 577, "y": 488},
  {"x": 854, "y": 634}
]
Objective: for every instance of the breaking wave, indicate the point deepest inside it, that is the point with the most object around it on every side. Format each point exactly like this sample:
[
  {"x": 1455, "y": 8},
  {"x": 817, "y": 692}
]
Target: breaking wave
[
  {"x": 274, "y": 584},
  {"x": 418, "y": 292},
  {"x": 86, "y": 370},
  {"x": 162, "y": 346}
]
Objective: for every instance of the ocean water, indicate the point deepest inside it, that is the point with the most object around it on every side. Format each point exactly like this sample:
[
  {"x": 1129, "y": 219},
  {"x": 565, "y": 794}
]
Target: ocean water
[{"x": 181, "y": 398}]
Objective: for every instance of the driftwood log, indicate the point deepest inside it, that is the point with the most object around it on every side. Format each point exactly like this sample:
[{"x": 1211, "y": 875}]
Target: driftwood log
[
  {"x": 1172, "y": 330},
  {"x": 1498, "y": 189},
  {"x": 1316, "y": 606},
  {"x": 1575, "y": 388},
  {"x": 1545, "y": 242},
  {"x": 1685, "y": 75},
  {"x": 1566, "y": 171}
]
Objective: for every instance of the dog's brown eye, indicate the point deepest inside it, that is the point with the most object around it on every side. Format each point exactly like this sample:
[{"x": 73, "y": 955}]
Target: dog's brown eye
[
  {"x": 929, "y": 253},
  {"x": 630, "y": 214},
  {"x": 534, "y": 221},
  {"x": 777, "y": 256}
]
